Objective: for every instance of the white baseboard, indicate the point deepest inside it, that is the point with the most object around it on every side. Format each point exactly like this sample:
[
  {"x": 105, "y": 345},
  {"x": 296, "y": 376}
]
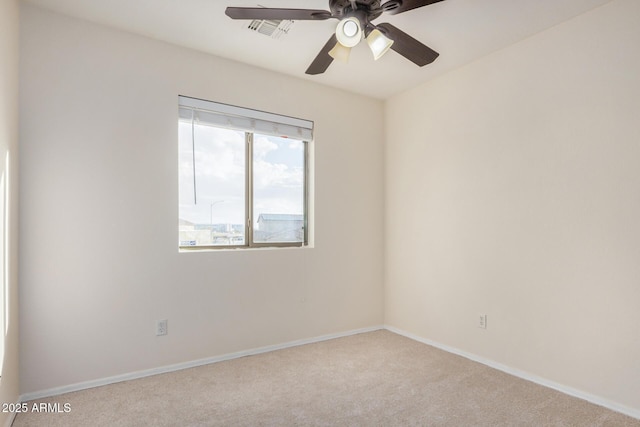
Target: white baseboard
[
  {"x": 597, "y": 400},
  {"x": 171, "y": 368},
  {"x": 177, "y": 367}
]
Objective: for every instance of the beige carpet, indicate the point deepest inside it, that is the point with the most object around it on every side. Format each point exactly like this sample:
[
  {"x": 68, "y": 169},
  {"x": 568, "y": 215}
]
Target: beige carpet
[{"x": 371, "y": 379}]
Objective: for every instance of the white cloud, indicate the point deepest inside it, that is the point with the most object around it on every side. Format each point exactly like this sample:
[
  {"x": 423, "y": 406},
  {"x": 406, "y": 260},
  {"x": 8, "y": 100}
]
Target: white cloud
[{"x": 262, "y": 146}]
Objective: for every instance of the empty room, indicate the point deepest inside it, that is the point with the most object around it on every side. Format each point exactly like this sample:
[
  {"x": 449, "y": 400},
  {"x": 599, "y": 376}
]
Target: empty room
[{"x": 327, "y": 212}]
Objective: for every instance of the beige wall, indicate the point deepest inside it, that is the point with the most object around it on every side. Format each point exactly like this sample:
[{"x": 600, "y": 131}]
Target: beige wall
[
  {"x": 9, "y": 54},
  {"x": 513, "y": 189},
  {"x": 99, "y": 211}
]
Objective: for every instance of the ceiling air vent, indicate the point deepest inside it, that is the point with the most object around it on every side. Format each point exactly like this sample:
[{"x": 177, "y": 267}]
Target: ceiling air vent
[{"x": 272, "y": 28}]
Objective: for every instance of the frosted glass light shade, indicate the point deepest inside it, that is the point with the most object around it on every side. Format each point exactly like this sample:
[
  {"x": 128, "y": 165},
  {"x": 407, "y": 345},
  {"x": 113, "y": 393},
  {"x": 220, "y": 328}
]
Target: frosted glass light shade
[
  {"x": 349, "y": 32},
  {"x": 378, "y": 43},
  {"x": 340, "y": 52}
]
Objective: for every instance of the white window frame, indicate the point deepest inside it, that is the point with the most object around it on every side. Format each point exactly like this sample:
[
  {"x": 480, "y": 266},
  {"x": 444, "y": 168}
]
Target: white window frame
[{"x": 251, "y": 122}]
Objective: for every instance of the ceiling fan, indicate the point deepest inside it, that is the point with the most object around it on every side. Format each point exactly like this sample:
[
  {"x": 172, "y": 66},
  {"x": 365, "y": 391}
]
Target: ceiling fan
[{"x": 355, "y": 22}]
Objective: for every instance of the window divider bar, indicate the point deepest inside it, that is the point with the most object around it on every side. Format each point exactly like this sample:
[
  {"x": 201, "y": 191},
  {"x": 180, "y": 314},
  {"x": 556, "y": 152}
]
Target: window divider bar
[
  {"x": 249, "y": 187},
  {"x": 305, "y": 200},
  {"x": 193, "y": 157}
]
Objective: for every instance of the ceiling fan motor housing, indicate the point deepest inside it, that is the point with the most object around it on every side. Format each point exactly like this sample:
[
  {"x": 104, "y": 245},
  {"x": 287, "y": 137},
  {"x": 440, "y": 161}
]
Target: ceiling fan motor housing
[{"x": 344, "y": 8}]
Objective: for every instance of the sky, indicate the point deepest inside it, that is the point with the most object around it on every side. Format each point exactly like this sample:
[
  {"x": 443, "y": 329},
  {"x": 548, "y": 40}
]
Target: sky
[{"x": 278, "y": 167}]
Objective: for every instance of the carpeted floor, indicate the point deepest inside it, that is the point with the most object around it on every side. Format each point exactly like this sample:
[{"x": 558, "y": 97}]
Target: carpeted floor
[{"x": 371, "y": 379}]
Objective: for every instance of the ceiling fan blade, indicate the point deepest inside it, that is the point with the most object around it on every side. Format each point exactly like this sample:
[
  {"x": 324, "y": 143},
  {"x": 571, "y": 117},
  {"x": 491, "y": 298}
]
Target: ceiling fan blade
[
  {"x": 323, "y": 59},
  {"x": 395, "y": 6},
  {"x": 277, "y": 14},
  {"x": 408, "y": 47}
]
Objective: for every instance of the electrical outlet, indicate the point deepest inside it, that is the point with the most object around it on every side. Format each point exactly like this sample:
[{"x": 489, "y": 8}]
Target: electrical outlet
[
  {"x": 482, "y": 321},
  {"x": 161, "y": 327}
]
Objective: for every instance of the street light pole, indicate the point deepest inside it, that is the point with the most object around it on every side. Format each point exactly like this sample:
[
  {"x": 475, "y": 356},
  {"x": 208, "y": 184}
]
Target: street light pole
[{"x": 211, "y": 210}]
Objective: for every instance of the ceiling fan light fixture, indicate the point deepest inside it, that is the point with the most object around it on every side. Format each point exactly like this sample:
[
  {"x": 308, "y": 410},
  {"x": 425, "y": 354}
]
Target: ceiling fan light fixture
[
  {"x": 340, "y": 52},
  {"x": 378, "y": 43},
  {"x": 355, "y": 19},
  {"x": 349, "y": 32}
]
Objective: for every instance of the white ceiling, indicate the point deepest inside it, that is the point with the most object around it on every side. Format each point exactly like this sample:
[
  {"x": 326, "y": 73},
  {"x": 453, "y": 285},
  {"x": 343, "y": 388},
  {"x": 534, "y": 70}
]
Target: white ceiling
[{"x": 460, "y": 30}]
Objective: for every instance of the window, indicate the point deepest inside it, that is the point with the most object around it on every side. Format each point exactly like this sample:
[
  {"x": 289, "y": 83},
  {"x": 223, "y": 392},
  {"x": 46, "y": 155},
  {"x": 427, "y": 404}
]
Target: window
[{"x": 243, "y": 177}]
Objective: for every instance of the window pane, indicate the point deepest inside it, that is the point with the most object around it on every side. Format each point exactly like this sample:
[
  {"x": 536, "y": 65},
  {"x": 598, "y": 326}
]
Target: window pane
[
  {"x": 278, "y": 189},
  {"x": 212, "y": 208}
]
